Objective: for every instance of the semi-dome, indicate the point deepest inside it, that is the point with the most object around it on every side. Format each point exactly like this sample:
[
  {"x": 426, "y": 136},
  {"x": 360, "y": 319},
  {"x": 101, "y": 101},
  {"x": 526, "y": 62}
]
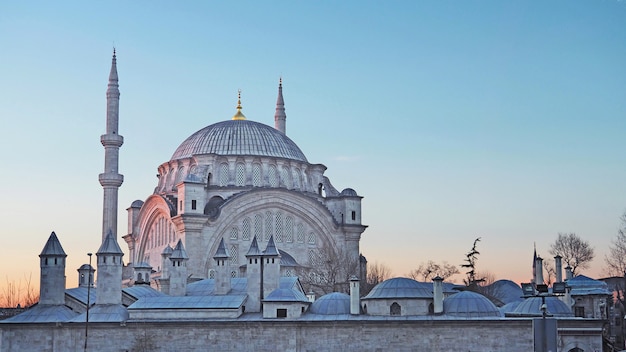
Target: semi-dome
[
  {"x": 400, "y": 287},
  {"x": 239, "y": 137},
  {"x": 469, "y": 304},
  {"x": 331, "y": 304}
]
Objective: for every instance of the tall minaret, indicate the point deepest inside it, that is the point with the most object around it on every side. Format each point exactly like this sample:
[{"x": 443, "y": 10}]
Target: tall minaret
[
  {"x": 110, "y": 179},
  {"x": 280, "y": 117}
]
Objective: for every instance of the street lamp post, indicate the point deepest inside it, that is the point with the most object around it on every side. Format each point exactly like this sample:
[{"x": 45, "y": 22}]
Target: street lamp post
[{"x": 88, "y": 303}]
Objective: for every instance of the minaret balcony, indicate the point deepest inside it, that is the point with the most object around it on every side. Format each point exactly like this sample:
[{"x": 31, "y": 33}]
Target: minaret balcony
[
  {"x": 111, "y": 179},
  {"x": 111, "y": 140}
]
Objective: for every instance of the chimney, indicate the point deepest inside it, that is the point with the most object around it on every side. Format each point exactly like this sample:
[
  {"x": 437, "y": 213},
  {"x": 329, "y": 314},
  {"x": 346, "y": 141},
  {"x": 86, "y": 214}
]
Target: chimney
[
  {"x": 355, "y": 303},
  {"x": 568, "y": 273},
  {"x": 438, "y": 295},
  {"x": 559, "y": 268}
]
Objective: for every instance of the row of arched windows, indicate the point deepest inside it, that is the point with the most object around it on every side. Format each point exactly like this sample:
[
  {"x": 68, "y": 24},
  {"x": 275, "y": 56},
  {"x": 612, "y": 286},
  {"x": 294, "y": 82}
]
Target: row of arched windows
[
  {"x": 283, "y": 227},
  {"x": 161, "y": 233},
  {"x": 288, "y": 177}
]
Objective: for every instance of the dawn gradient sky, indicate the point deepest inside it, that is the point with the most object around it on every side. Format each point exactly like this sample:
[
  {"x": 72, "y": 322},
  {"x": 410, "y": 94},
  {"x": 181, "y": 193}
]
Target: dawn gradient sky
[{"x": 454, "y": 119}]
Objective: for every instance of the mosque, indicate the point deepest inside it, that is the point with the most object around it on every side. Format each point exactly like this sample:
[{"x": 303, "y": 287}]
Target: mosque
[{"x": 220, "y": 253}]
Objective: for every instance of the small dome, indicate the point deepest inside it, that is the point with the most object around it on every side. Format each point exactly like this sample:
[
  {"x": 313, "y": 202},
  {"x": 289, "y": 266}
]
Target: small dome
[
  {"x": 349, "y": 192},
  {"x": 470, "y": 305},
  {"x": 287, "y": 259},
  {"x": 143, "y": 265},
  {"x": 239, "y": 137},
  {"x": 400, "y": 287},
  {"x": 331, "y": 304},
  {"x": 136, "y": 204},
  {"x": 532, "y": 307},
  {"x": 86, "y": 267}
]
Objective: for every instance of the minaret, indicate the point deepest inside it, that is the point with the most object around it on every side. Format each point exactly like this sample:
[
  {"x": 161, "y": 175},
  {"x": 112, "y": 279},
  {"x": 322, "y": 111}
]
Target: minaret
[
  {"x": 52, "y": 281},
  {"x": 271, "y": 268},
  {"x": 110, "y": 179},
  {"x": 280, "y": 119}
]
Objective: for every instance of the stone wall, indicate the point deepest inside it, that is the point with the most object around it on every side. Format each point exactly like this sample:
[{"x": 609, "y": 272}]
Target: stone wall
[{"x": 277, "y": 335}]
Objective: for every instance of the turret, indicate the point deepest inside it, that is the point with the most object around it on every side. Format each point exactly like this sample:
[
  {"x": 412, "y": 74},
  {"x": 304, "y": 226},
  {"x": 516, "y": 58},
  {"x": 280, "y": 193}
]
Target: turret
[
  {"x": 178, "y": 270},
  {"x": 222, "y": 274},
  {"x": 164, "y": 281},
  {"x": 109, "y": 271},
  {"x": 141, "y": 274},
  {"x": 539, "y": 271},
  {"x": 558, "y": 267},
  {"x": 280, "y": 118},
  {"x": 52, "y": 279},
  {"x": 254, "y": 272},
  {"x": 110, "y": 179},
  {"x": 271, "y": 268},
  {"x": 85, "y": 275}
]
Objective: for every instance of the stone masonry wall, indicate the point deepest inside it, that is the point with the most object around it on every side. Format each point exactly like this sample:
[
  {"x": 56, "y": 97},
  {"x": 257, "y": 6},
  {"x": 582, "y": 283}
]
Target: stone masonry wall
[{"x": 283, "y": 335}]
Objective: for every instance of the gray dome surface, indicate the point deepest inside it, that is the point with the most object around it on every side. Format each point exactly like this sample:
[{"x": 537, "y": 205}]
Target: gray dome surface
[
  {"x": 331, "y": 304},
  {"x": 470, "y": 305},
  {"x": 400, "y": 287},
  {"x": 532, "y": 307},
  {"x": 239, "y": 137}
]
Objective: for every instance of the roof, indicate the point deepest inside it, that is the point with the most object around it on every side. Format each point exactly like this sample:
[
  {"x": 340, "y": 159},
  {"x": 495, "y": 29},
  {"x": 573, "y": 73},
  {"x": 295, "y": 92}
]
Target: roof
[
  {"x": 506, "y": 291},
  {"x": 238, "y": 285},
  {"x": 400, "y": 287},
  {"x": 239, "y": 137},
  {"x": 331, "y": 304},
  {"x": 582, "y": 285},
  {"x": 43, "y": 314},
  {"x": 470, "y": 305},
  {"x": 53, "y": 247},
  {"x": 254, "y": 250},
  {"x": 286, "y": 295},
  {"x": 142, "y": 291},
  {"x": 221, "y": 251},
  {"x": 532, "y": 307},
  {"x": 110, "y": 246},
  {"x": 187, "y": 302},
  {"x": 80, "y": 294},
  {"x": 179, "y": 251},
  {"x": 104, "y": 313},
  {"x": 271, "y": 248}
]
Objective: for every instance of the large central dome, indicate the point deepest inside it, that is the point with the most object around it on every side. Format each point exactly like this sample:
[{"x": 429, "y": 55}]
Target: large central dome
[{"x": 239, "y": 137}]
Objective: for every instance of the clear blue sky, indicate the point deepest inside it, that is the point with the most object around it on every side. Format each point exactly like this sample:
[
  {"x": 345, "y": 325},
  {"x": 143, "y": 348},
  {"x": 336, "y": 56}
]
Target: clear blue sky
[{"x": 454, "y": 119}]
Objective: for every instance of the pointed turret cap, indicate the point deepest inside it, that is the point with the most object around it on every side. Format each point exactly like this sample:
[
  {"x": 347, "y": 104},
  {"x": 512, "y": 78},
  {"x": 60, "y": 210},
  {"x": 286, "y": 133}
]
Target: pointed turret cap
[
  {"x": 167, "y": 251},
  {"x": 109, "y": 245},
  {"x": 254, "y": 249},
  {"x": 221, "y": 251},
  {"x": 179, "y": 251},
  {"x": 53, "y": 247},
  {"x": 271, "y": 250}
]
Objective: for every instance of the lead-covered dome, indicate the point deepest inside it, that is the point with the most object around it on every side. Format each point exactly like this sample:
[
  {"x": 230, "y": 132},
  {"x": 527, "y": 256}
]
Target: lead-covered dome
[{"x": 239, "y": 137}]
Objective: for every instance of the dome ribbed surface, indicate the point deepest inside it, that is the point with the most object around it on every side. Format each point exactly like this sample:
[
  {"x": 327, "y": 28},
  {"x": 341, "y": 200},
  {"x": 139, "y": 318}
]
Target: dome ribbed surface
[
  {"x": 331, "y": 304},
  {"x": 532, "y": 307},
  {"x": 401, "y": 287},
  {"x": 239, "y": 137},
  {"x": 470, "y": 305}
]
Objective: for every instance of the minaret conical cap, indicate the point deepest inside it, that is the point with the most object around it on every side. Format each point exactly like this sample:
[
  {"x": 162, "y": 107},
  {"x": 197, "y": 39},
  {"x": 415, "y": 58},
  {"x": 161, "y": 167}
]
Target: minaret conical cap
[
  {"x": 239, "y": 115},
  {"x": 53, "y": 247},
  {"x": 113, "y": 73},
  {"x": 271, "y": 250},
  {"x": 254, "y": 249},
  {"x": 179, "y": 251}
]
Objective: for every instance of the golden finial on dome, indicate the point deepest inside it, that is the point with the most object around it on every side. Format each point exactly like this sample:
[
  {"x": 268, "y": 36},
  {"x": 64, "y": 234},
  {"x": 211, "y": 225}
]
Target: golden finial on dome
[{"x": 239, "y": 115}]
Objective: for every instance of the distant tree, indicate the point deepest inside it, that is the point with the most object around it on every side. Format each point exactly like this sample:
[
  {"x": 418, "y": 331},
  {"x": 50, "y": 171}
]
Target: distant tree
[
  {"x": 471, "y": 258},
  {"x": 427, "y": 271},
  {"x": 376, "y": 273},
  {"x": 328, "y": 270},
  {"x": 616, "y": 258},
  {"x": 550, "y": 270},
  {"x": 486, "y": 287},
  {"x": 576, "y": 252},
  {"x": 20, "y": 292}
]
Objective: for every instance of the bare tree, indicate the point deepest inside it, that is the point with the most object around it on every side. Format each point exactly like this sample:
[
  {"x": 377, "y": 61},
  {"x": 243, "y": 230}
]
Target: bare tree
[
  {"x": 576, "y": 252},
  {"x": 548, "y": 267},
  {"x": 471, "y": 258},
  {"x": 427, "y": 271},
  {"x": 18, "y": 293},
  {"x": 616, "y": 258},
  {"x": 376, "y": 273},
  {"x": 487, "y": 287},
  {"x": 328, "y": 270}
]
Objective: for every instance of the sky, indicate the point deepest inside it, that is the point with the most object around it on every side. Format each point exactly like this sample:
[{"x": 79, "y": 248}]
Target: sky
[{"x": 454, "y": 120}]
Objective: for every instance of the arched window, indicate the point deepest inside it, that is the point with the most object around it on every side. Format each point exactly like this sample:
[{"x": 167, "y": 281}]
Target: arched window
[
  {"x": 395, "y": 309},
  {"x": 272, "y": 177},
  {"x": 300, "y": 233},
  {"x": 256, "y": 175},
  {"x": 288, "y": 229},
  {"x": 268, "y": 225},
  {"x": 258, "y": 226},
  {"x": 224, "y": 175},
  {"x": 240, "y": 173},
  {"x": 246, "y": 229},
  {"x": 279, "y": 227},
  {"x": 139, "y": 277},
  {"x": 285, "y": 177},
  {"x": 234, "y": 233}
]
